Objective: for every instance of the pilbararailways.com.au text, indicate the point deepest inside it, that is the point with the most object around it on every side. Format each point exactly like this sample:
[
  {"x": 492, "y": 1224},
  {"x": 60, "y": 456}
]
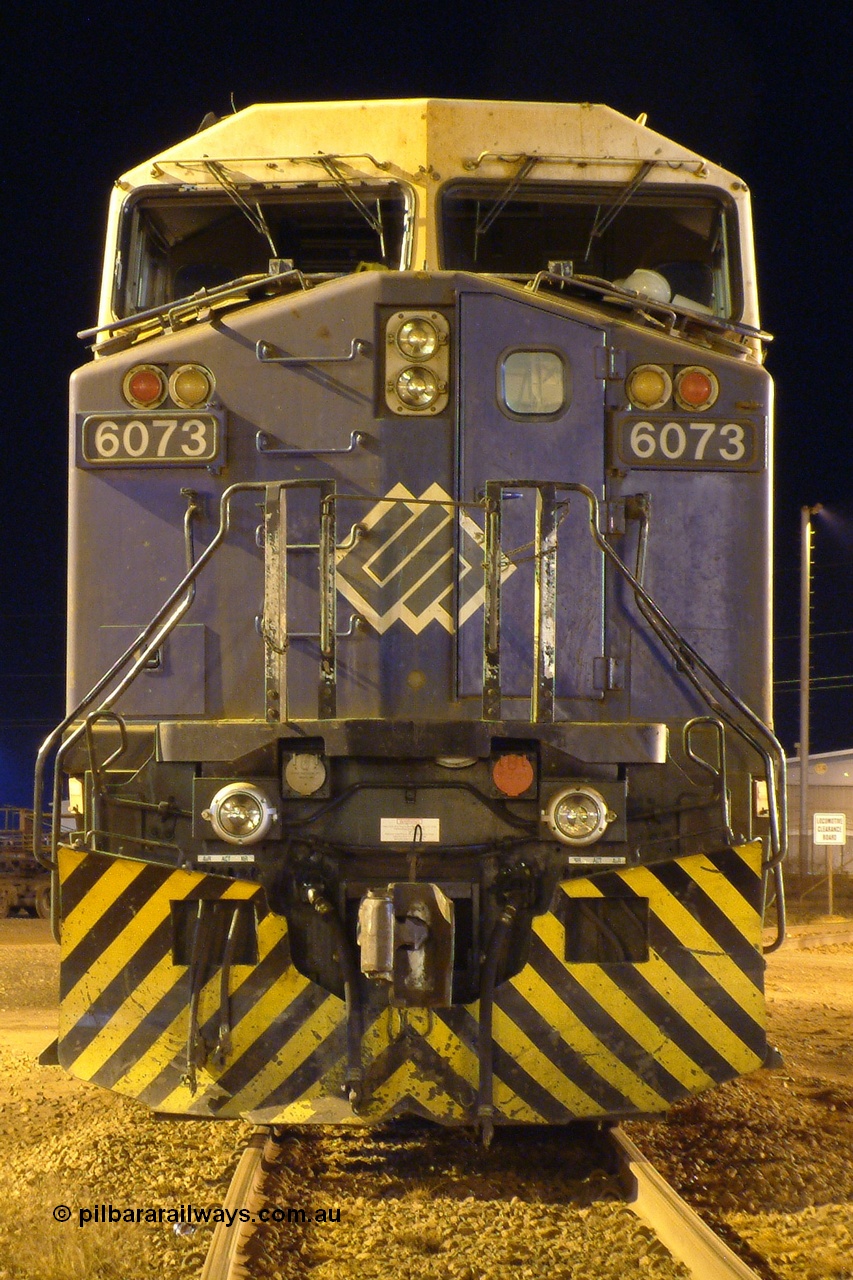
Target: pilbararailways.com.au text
[{"x": 193, "y": 1215}]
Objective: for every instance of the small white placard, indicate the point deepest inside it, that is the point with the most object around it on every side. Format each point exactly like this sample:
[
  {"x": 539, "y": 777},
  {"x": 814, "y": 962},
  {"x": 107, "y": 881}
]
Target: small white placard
[
  {"x": 830, "y": 828},
  {"x": 225, "y": 857},
  {"x": 405, "y": 830}
]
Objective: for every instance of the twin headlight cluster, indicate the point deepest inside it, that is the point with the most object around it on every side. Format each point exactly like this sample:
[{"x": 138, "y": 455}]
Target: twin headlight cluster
[{"x": 417, "y": 362}]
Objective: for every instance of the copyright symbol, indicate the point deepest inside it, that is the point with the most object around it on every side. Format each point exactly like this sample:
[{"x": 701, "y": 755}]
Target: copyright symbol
[{"x": 62, "y": 1213}]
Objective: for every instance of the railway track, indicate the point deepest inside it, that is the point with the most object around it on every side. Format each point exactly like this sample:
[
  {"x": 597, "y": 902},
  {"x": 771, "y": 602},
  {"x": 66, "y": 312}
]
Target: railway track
[{"x": 411, "y": 1167}]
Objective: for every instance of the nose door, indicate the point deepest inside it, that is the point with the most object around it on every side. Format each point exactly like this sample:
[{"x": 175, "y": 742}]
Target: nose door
[{"x": 532, "y": 414}]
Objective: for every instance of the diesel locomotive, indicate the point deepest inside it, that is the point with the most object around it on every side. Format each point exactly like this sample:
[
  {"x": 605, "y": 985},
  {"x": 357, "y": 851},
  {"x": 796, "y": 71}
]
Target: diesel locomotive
[{"x": 419, "y": 624}]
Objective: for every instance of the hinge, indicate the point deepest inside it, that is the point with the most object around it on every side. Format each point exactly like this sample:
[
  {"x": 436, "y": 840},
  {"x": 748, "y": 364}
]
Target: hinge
[
  {"x": 610, "y": 363},
  {"x": 607, "y": 673}
]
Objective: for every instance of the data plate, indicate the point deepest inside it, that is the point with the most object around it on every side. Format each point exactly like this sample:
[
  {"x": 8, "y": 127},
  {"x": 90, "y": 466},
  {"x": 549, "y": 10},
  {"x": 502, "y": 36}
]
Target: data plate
[
  {"x": 146, "y": 439},
  {"x": 669, "y": 441}
]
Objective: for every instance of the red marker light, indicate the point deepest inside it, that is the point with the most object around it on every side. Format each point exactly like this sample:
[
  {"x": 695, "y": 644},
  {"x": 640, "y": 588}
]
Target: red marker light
[
  {"x": 144, "y": 387},
  {"x": 696, "y": 388}
]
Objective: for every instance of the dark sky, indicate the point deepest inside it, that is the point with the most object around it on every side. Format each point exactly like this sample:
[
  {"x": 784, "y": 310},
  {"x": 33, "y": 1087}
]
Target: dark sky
[{"x": 760, "y": 88}]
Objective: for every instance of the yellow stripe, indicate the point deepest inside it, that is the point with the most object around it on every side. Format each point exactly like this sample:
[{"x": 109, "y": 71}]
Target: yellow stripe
[
  {"x": 716, "y": 884},
  {"x": 530, "y": 1058},
  {"x": 707, "y": 950},
  {"x": 671, "y": 988},
  {"x": 172, "y": 1040},
  {"x": 648, "y": 1034},
  {"x": 314, "y": 1030},
  {"x": 406, "y": 1080},
  {"x": 107, "y": 965},
  {"x": 576, "y": 1036},
  {"x": 110, "y": 885}
]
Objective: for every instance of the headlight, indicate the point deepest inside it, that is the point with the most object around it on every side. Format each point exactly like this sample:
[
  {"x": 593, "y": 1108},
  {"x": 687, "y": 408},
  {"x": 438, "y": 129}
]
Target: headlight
[
  {"x": 417, "y": 339},
  {"x": 417, "y": 362},
  {"x": 417, "y": 388},
  {"x": 240, "y": 813},
  {"x": 578, "y": 815}
]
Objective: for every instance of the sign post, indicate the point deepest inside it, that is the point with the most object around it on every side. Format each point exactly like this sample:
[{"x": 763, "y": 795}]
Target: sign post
[{"x": 830, "y": 829}]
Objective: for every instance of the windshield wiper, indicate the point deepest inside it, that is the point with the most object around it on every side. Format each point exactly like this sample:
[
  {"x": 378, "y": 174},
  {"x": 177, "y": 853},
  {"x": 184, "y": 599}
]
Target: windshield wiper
[
  {"x": 187, "y": 310},
  {"x": 494, "y": 210},
  {"x": 255, "y": 213},
  {"x": 602, "y": 221},
  {"x": 668, "y": 313},
  {"x": 343, "y": 184}
]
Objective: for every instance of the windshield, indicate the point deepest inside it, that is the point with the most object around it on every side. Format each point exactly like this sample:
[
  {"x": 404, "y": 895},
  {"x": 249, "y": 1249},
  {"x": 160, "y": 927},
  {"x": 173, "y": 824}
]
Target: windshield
[
  {"x": 686, "y": 238},
  {"x": 175, "y": 243}
]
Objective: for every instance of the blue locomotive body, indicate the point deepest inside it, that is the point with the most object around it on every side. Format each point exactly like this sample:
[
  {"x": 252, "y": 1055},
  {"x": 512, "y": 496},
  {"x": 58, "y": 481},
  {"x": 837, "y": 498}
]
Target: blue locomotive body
[{"x": 419, "y": 626}]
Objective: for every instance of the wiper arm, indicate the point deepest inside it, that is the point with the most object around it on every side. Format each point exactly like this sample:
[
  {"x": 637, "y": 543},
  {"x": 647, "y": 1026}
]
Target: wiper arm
[
  {"x": 601, "y": 223},
  {"x": 484, "y": 222},
  {"x": 343, "y": 184},
  {"x": 181, "y": 311},
  {"x": 254, "y": 213}
]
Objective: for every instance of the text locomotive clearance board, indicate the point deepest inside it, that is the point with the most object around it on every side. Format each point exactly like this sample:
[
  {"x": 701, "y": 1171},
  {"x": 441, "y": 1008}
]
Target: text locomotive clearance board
[{"x": 830, "y": 828}]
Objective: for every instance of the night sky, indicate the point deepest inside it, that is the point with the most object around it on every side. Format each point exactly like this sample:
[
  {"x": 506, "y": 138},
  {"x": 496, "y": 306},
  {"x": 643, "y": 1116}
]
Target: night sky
[{"x": 759, "y": 88}]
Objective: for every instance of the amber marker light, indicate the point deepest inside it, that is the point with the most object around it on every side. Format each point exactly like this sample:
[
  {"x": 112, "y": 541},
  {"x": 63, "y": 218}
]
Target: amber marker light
[
  {"x": 696, "y": 388},
  {"x": 648, "y": 386},
  {"x": 144, "y": 386},
  {"x": 191, "y": 386}
]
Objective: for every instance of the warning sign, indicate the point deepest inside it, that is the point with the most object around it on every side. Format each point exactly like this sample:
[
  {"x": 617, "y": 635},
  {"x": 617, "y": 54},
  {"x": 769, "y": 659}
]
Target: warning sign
[{"x": 830, "y": 828}]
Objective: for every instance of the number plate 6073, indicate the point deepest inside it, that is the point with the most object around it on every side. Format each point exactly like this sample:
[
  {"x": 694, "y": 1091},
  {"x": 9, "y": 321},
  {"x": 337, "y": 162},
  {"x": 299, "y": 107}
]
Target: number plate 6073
[
  {"x": 659, "y": 441},
  {"x": 129, "y": 440}
]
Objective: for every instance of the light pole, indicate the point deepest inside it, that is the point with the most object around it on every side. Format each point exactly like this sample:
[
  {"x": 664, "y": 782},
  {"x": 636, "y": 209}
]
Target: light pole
[{"x": 806, "y": 514}]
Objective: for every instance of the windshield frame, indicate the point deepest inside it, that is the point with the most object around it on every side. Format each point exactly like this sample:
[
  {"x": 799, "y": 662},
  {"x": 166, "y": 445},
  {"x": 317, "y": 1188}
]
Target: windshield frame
[
  {"x": 130, "y": 251},
  {"x": 600, "y": 197}
]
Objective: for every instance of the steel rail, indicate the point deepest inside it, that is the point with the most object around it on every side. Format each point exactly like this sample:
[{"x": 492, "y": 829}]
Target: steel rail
[
  {"x": 678, "y": 1227},
  {"x": 224, "y": 1259}
]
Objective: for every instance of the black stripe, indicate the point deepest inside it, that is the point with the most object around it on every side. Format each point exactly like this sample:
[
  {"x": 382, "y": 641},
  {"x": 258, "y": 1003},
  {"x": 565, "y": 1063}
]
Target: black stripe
[
  {"x": 567, "y": 1060},
  {"x": 114, "y": 918},
  {"x": 706, "y": 988},
  {"x": 327, "y": 1053},
  {"x": 713, "y": 919},
  {"x": 431, "y": 1066},
  {"x": 101, "y": 1008},
  {"x": 506, "y": 1068},
  {"x": 240, "y": 1070},
  {"x": 674, "y": 1025},
  {"x": 612, "y": 1034},
  {"x": 82, "y": 880},
  {"x": 748, "y": 883}
]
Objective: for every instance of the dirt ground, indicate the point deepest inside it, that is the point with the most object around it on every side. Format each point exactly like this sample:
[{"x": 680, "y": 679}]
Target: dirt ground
[{"x": 770, "y": 1156}]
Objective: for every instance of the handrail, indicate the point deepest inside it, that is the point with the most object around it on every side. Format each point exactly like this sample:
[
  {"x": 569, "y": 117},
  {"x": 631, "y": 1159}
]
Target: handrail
[{"x": 146, "y": 643}]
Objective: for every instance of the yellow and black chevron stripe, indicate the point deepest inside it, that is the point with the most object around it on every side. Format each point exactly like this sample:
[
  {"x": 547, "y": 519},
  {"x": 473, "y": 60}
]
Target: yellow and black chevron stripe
[{"x": 573, "y": 1037}]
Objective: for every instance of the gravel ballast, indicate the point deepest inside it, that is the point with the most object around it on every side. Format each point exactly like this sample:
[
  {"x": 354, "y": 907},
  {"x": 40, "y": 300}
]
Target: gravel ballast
[{"x": 769, "y": 1157}]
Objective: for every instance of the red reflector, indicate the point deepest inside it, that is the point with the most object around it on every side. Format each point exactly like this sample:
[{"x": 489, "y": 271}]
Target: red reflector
[
  {"x": 145, "y": 386},
  {"x": 513, "y": 775},
  {"x": 695, "y": 388}
]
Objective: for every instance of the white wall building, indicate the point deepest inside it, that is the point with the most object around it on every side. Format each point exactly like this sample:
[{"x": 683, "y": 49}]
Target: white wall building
[{"x": 830, "y": 790}]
